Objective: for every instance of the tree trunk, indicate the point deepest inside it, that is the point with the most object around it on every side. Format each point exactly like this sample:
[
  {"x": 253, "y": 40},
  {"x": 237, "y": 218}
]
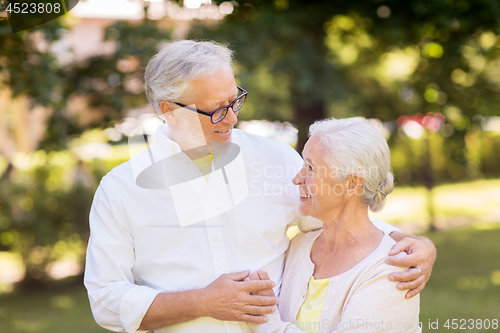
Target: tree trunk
[
  {"x": 305, "y": 115},
  {"x": 429, "y": 181}
]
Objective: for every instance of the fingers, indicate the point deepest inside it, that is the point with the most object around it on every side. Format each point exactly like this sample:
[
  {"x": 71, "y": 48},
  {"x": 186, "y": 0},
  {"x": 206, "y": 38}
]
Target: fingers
[
  {"x": 403, "y": 245},
  {"x": 252, "y": 319},
  {"x": 399, "y": 261},
  {"x": 268, "y": 292},
  {"x": 253, "y": 286},
  {"x": 415, "y": 291},
  {"x": 412, "y": 284},
  {"x": 257, "y": 276},
  {"x": 412, "y": 280},
  {"x": 259, "y": 310},
  {"x": 238, "y": 276},
  {"x": 262, "y": 301},
  {"x": 263, "y": 275},
  {"x": 411, "y": 274}
]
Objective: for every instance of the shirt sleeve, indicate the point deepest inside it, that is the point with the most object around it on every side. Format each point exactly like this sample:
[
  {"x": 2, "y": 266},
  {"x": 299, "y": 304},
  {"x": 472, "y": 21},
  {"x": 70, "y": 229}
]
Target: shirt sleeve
[
  {"x": 117, "y": 303},
  {"x": 384, "y": 226}
]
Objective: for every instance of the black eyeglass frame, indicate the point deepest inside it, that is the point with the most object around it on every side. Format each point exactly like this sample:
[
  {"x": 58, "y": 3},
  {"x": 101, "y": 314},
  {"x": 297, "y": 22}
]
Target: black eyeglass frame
[{"x": 211, "y": 113}]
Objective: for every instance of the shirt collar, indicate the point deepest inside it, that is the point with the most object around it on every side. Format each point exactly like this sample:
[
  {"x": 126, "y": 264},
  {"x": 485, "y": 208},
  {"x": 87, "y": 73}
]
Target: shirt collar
[{"x": 163, "y": 146}]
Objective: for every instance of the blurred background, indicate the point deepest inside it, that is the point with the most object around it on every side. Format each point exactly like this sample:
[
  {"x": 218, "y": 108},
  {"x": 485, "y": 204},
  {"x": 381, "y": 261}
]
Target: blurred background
[{"x": 425, "y": 73}]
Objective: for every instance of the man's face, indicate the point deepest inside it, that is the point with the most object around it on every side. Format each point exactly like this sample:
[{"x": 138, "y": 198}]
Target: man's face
[{"x": 208, "y": 94}]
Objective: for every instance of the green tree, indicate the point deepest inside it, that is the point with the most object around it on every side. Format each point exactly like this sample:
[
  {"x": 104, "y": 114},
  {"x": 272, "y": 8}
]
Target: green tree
[
  {"x": 44, "y": 208},
  {"x": 378, "y": 59}
]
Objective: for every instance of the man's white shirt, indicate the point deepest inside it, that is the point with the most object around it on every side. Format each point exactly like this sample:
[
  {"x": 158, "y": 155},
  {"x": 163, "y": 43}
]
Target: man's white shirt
[{"x": 154, "y": 229}]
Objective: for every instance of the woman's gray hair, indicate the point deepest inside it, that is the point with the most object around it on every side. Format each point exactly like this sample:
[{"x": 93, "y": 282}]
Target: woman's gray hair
[
  {"x": 352, "y": 146},
  {"x": 169, "y": 72}
]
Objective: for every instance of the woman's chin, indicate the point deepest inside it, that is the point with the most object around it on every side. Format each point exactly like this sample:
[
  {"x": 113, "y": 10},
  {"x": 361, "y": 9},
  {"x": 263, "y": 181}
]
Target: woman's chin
[{"x": 304, "y": 211}]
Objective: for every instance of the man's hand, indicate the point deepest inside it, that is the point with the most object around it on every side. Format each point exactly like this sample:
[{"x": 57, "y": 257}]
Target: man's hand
[
  {"x": 421, "y": 256},
  {"x": 231, "y": 298}
]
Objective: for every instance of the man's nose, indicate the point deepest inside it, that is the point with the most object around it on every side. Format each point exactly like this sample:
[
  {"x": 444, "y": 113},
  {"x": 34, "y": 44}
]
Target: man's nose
[{"x": 231, "y": 117}]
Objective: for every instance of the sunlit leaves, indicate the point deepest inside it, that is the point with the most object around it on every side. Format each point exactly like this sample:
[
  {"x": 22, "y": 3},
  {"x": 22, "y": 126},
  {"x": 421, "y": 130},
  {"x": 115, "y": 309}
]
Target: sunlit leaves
[
  {"x": 399, "y": 65},
  {"x": 433, "y": 50},
  {"x": 346, "y": 36},
  {"x": 458, "y": 76},
  {"x": 487, "y": 40}
]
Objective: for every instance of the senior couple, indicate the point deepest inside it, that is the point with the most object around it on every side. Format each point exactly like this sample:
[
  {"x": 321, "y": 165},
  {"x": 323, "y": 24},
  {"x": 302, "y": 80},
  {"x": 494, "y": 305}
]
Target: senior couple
[{"x": 186, "y": 238}]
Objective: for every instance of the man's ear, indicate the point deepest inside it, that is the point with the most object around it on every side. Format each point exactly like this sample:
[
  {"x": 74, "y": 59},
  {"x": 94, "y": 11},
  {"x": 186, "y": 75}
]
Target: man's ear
[{"x": 167, "y": 112}]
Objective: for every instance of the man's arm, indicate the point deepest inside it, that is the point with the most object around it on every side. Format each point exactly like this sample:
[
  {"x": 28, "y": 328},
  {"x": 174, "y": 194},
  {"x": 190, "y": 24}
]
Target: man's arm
[
  {"x": 421, "y": 257},
  {"x": 119, "y": 304},
  {"x": 227, "y": 298}
]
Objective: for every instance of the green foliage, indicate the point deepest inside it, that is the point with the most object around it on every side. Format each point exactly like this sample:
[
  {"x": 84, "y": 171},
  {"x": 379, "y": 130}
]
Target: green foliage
[
  {"x": 452, "y": 160},
  {"x": 113, "y": 82},
  {"x": 305, "y": 60},
  {"x": 44, "y": 209},
  {"x": 26, "y": 65},
  {"x": 110, "y": 84}
]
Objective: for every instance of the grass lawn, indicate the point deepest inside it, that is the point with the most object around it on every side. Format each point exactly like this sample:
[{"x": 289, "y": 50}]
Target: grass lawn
[
  {"x": 455, "y": 205},
  {"x": 65, "y": 311},
  {"x": 465, "y": 285}
]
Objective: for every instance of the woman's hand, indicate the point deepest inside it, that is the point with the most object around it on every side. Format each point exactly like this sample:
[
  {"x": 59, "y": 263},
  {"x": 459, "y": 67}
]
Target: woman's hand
[
  {"x": 261, "y": 275},
  {"x": 421, "y": 256}
]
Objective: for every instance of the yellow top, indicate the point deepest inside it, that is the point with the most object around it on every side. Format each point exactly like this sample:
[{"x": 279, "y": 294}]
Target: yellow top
[
  {"x": 308, "y": 317},
  {"x": 204, "y": 164}
]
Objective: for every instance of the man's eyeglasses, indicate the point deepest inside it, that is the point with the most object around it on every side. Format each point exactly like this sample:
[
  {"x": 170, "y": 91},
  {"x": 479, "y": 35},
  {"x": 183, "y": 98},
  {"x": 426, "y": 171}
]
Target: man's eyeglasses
[{"x": 219, "y": 113}]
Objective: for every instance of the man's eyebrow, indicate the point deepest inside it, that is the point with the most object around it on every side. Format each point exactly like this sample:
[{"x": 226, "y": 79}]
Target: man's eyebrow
[
  {"x": 214, "y": 105},
  {"x": 219, "y": 104},
  {"x": 308, "y": 160}
]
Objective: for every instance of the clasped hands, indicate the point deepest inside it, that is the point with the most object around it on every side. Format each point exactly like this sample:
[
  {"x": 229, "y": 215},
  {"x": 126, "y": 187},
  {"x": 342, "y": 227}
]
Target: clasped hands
[
  {"x": 236, "y": 297},
  {"x": 249, "y": 297}
]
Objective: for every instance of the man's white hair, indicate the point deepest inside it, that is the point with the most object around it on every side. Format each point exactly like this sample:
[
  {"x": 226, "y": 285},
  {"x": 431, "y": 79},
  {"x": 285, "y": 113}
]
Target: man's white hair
[
  {"x": 169, "y": 72},
  {"x": 352, "y": 146}
]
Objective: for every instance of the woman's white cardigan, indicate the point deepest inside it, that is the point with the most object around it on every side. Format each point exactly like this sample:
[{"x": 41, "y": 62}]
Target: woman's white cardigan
[{"x": 359, "y": 300}]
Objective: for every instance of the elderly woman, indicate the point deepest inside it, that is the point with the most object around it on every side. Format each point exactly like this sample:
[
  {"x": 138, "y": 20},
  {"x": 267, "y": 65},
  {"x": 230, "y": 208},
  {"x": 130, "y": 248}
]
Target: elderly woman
[{"x": 336, "y": 279}]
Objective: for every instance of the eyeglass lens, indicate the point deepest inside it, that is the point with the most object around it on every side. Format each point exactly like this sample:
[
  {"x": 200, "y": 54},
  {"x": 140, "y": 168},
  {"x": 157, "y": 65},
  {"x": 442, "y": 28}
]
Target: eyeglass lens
[{"x": 220, "y": 114}]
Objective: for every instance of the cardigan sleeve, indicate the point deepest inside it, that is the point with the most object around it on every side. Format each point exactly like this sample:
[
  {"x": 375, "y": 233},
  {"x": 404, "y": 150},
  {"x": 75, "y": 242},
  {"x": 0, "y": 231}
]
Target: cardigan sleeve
[
  {"x": 274, "y": 324},
  {"x": 377, "y": 306}
]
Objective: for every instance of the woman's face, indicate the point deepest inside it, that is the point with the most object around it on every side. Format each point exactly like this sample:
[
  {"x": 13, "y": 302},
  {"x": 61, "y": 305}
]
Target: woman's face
[{"x": 320, "y": 194}]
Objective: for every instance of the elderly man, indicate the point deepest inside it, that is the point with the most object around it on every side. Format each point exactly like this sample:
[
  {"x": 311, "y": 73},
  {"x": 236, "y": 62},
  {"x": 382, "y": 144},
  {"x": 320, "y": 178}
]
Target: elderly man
[{"x": 176, "y": 230}]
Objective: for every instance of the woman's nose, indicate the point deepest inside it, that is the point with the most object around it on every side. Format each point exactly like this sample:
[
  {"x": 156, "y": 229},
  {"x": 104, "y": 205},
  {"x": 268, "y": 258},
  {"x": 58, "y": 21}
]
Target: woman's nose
[{"x": 298, "y": 179}]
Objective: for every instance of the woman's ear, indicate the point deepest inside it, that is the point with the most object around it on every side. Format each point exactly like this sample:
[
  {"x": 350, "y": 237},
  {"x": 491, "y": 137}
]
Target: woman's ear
[
  {"x": 167, "y": 112},
  {"x": 355, "y": 183}
]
